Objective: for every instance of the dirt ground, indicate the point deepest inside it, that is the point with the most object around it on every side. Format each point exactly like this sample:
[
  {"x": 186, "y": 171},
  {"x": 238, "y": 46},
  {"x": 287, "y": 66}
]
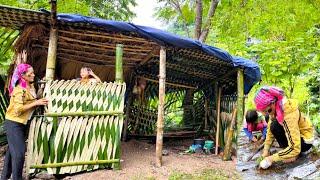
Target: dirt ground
[{"x": 139, "y": 162}]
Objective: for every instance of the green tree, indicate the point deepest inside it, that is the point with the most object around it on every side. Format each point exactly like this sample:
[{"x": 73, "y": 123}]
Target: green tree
[
  {"x": 284, "y": 36},
  {"x": 188, "y": 16},
  {"x": 107, "y": 9}
]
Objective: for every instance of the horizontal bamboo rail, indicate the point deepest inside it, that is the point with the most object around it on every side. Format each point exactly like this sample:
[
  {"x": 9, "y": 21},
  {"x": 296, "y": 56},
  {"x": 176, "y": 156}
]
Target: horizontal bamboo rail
[
  {"x": 86, "y": 113},
  {"x": 108, "y": 36},
  {"x": 107, "y": 62},
  {"x": 171, "y": 79},
  {"x": 199, "y": 55},
  {"x": 191, "y": 71},
  {"x": 67, "y": 60},
  {"x": 171, "y": 84},
  {"x": 102, "y": 32},
  {"x": 77, "y": 54},
  {"x": 103, "y": 45},
  {"x": 55, "y": 165}
]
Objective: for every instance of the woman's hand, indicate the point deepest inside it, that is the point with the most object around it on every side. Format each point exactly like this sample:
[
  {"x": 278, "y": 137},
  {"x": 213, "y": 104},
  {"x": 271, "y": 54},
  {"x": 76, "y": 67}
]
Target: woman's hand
[
  {"x": 41, "y": 102},
  {"x": 261, "y": 140},
  {"x": 266, "y": 162},
  {"x": 91, "y": 72},
  {"x": 94, "y": 75}
]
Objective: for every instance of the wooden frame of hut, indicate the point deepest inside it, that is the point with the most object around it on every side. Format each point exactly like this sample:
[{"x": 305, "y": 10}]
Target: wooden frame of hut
[{"x": 57, "y": 48}]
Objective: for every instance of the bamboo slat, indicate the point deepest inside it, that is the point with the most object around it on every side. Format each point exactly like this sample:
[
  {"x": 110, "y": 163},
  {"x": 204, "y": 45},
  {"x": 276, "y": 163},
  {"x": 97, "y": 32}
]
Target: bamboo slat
[{"x": 3, "y": 106}]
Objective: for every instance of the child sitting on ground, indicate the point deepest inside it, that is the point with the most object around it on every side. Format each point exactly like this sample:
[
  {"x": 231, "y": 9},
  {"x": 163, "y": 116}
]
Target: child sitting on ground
[{"x": 255, "y": 121}]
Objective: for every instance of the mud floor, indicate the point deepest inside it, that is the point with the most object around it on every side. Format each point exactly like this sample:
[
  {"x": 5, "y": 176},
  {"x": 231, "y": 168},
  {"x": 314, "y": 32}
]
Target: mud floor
[{"x": 305, "y": 167}]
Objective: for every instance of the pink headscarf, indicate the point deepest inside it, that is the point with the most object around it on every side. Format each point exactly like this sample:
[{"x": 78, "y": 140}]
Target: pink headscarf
[
  {"x": 267, "y": 95},
  {"x": 17, "y": 77}
]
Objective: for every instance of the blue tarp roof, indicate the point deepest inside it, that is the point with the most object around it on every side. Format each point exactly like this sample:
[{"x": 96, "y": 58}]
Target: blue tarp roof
[{"x": 251, "y": 69}]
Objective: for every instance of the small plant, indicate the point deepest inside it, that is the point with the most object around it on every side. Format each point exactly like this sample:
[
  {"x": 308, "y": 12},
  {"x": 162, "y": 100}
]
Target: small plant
[
  {"x": 205, "y": 174},
  {"x": 259, "y": 160}
]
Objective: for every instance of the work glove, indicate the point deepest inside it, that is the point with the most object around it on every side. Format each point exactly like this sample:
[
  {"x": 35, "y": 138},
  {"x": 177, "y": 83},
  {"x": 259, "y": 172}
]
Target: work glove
[{"x": 265, "y": 163}]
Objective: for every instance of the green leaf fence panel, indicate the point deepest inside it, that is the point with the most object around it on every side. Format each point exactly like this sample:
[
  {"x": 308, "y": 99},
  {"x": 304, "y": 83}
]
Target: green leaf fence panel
[
  {"x": 4, "y": 102},
  {"x": 84, "y": 134}
]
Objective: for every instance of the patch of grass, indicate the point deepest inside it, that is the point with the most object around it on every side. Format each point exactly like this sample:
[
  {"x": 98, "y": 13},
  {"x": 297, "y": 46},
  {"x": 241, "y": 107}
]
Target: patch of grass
[
  {"x": 143, "y": 177},
  {"x": 207, "y": 174}
]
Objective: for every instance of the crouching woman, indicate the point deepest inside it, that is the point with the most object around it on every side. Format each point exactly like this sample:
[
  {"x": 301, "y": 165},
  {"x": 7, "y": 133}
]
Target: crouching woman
[
  {"x": 22, "y": 104},
  {"x": 287, "y": 125}
]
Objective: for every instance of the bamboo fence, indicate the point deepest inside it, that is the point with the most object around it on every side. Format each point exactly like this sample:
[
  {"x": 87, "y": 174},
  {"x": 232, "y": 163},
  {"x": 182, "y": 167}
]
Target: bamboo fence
[
  {"x": 81, "y": 129},
  {"x": 3, "y": 106}
]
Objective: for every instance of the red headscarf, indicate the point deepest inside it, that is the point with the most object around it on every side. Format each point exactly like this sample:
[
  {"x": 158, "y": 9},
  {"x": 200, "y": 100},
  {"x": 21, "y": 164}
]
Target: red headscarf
[{"x": 267, "y": 95}]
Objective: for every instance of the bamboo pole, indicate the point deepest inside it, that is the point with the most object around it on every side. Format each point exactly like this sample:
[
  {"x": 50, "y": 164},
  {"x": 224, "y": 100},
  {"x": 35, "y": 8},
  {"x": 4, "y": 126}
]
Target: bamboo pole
[
  {"x": 55, "y": 165},
  {"x": 119, "y": 69},
  {"x": 239, "y": 112},
  {"x": 53, "y": 43},
  {"x": 240, "y": 97},
  {"x": 227, "y": 149},
  {"x": 103, "y": 45},
  {"x": 86, "y": 113},
  {"x": 162, "y": 79},
  {"x": 206, "y": 106},
  {"x": 218, "y": 119}
]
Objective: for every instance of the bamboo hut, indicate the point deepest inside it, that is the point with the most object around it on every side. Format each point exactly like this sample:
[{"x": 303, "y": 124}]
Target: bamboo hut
[{"x": 159, "y": 69}]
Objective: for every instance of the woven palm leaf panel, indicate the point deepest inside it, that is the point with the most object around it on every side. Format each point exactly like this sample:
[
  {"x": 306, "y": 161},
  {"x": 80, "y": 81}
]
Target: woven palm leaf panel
[
  {"x": 3, "y": 106},
  {"x": 77, "y": 141},
  {"x": 142, "y": 121}
]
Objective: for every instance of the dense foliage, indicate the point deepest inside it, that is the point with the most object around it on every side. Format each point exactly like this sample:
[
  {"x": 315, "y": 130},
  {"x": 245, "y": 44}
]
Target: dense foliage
[
  {"x": 282, "y": 36},
  {"x": 108, "y": 9}
]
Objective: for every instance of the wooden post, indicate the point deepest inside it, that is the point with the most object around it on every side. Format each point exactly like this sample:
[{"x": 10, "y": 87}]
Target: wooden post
[
  {"x": 119, "y": 69},
  {"x": 162, "y": 79},
  {"x": 218, "y": 119},
  {"x": 53, "y": 43},
  {"x": 240, "y": 96},
  {"x": 227, "y": 149},
  {"x": 239, "y": 112}
]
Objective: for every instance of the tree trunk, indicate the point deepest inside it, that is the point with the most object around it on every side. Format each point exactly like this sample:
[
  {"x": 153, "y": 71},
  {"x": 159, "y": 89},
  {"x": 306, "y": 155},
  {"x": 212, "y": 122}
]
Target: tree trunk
[
  {"x": 207, "y": 25},
  {"x": 198, "y": 21}
]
